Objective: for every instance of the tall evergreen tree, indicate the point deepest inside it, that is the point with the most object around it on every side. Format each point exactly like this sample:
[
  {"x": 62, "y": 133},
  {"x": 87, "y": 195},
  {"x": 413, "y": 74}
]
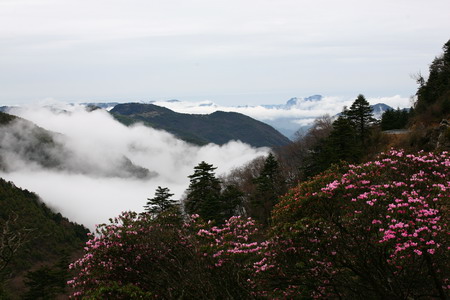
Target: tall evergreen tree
[
  {"x": 231, "y": 201},
  {"x": 361, "y": 116},
  {"x": 341, "y": 145},
  {"x": 270, "y": 185},
  {"x": 433, "y": 94},
  {"x": 203, "y": 194},
  {"x": 342, "y": 142},
  {"x": 161, "y": 202}
]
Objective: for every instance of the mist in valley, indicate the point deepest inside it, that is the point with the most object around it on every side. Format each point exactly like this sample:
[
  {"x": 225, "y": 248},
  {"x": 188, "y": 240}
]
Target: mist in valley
[{"x": 95, "y": 167}]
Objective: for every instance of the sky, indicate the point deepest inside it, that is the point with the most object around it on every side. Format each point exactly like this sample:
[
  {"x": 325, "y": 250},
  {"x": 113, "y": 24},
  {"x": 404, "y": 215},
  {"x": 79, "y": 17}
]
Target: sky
[{"x": 231, "y": 52}]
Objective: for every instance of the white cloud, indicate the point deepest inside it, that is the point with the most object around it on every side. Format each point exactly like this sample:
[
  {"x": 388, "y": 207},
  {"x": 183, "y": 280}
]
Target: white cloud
[
  {"x": 96, "y": 142},
  {"x": 304, "y": 109},
  {"x": 394, "y": 102}
]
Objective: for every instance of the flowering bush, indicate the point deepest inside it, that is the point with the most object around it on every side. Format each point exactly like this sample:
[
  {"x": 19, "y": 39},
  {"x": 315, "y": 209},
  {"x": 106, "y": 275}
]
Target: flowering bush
[
  {"x": 138, "y": 257},
  {"x": 376, "y": 230}
]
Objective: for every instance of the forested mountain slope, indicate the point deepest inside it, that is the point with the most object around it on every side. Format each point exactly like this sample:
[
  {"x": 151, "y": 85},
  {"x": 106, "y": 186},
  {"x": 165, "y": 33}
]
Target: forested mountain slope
[
  {"x": 218, "y": 127},
  {"x": 31, "y": 234}
]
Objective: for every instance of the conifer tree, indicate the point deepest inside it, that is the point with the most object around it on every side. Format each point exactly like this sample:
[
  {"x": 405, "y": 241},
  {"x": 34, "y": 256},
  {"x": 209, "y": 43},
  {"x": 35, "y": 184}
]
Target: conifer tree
[
  {"x": 341, "y": 145},
  {"x": 161, "y": 202},
  {"x": 433, "y": 94},
  {"x": 394, "y": 119},
  {"x": 361, "y": 116},
  {"x": 203, "y": 194},
  {"x": 270, "y": 185},
  {"x": 231, "y": 201},
  {"x": 342, "y": 142}
]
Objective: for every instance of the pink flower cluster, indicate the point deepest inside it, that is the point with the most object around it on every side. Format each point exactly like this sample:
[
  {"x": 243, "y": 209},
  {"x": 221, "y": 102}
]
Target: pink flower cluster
[
  {"x": 392, "y": 211},
  {"x": 231, "y": 242}
]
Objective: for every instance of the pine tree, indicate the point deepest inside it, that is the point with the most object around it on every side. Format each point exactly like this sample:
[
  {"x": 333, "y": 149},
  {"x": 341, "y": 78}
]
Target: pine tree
[
  {"x": 342, "y": 142},
  {"x": 161, "y": 202},
  {"x": 433, "y": 94},
  {"x": 231, "y": 201},
  {"x": 203, "y": 194},
  {"x": 270, "y": 185},
  {"x": 341, "y": 145},
  {"x": 361, "y": 116}
]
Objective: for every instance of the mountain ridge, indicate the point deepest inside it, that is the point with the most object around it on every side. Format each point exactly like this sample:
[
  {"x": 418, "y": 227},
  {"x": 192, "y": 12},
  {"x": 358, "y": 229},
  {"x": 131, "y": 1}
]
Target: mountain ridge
[
  {"x": 219, "y": 127},
  {"x": 25, "y": 142}
]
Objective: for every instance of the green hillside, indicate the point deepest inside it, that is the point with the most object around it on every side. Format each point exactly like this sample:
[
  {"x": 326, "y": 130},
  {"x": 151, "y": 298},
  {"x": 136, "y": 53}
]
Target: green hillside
[
  {"x": 218, "y": 127},
  {"x": 31, "y": 234}
]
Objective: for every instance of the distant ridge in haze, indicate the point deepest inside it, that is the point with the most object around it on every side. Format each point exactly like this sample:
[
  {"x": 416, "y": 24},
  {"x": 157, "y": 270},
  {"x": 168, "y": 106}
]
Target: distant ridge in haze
[
  {"x": 23, "y": 142},
  {"x": 219, "y": 127}
]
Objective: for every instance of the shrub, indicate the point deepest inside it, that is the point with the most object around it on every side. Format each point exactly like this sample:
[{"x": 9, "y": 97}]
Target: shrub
[
  {"x": 138, "y": 257},
  {"x": 376, "y": 230}
]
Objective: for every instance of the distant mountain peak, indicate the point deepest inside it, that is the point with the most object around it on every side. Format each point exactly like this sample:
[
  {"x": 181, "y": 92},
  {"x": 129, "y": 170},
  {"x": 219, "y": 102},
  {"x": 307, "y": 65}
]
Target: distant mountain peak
[
  {"x": 378, "y": 110},
  {"x": 313, "y": 98},
  {"x": 292, "y": 102},
  {"x": 295, "y": 101}
]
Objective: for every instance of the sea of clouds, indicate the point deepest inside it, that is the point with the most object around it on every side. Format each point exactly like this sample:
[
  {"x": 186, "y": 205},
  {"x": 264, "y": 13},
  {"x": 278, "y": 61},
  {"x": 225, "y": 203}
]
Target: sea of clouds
[
  {"x": 286, "y": 119},
  {"x": 92, "y": 188},
  {"x": 303, "y": 113}
]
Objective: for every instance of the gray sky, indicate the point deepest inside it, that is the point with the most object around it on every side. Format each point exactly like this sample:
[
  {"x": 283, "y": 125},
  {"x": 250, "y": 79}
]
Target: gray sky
[{"x": 227, "y": 51}]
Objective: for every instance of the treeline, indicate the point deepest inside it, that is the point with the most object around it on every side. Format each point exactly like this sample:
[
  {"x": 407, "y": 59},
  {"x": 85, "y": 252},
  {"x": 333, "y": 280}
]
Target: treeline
[{"x": 396, "y": 119}]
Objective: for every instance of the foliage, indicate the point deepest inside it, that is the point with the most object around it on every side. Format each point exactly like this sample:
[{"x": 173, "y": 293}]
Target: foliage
[
  {"x": 161, "y": 202},
  {"x": 6, "y": 118},
  {"x": 269, "y": 186},
  {"x": 433, "y": 94},
  {"x": 342, "y": 144},
  {"x": 349, "y": 133},
  {"x": 135, "y": 256},
  {"x": 360, "y": 115},
  {"x": 203, "y": 194},
  {"x": 395, "y": 119},
  {"x": 42, "y": 234},
  {"x": 231, "y": 199},
  {"x": 376, "y": 230},
  {"x": 242, "y": 179},
  {"x": 209, "y": 198},
  {"x": 295, "y": 158},
  {"x": 47, "y": 282},
  {"x": 11, "y": 240}
]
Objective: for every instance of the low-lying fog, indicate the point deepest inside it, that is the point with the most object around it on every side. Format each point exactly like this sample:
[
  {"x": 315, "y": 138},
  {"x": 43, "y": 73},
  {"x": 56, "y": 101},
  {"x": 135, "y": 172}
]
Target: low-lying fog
[{"x": 93, "y": 186}]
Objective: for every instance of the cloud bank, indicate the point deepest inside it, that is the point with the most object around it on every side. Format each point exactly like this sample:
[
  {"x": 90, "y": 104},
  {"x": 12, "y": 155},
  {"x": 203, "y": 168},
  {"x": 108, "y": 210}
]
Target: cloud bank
[
  {"x": 304, "y": 109},
  {"x": 91, "y": 186}
]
